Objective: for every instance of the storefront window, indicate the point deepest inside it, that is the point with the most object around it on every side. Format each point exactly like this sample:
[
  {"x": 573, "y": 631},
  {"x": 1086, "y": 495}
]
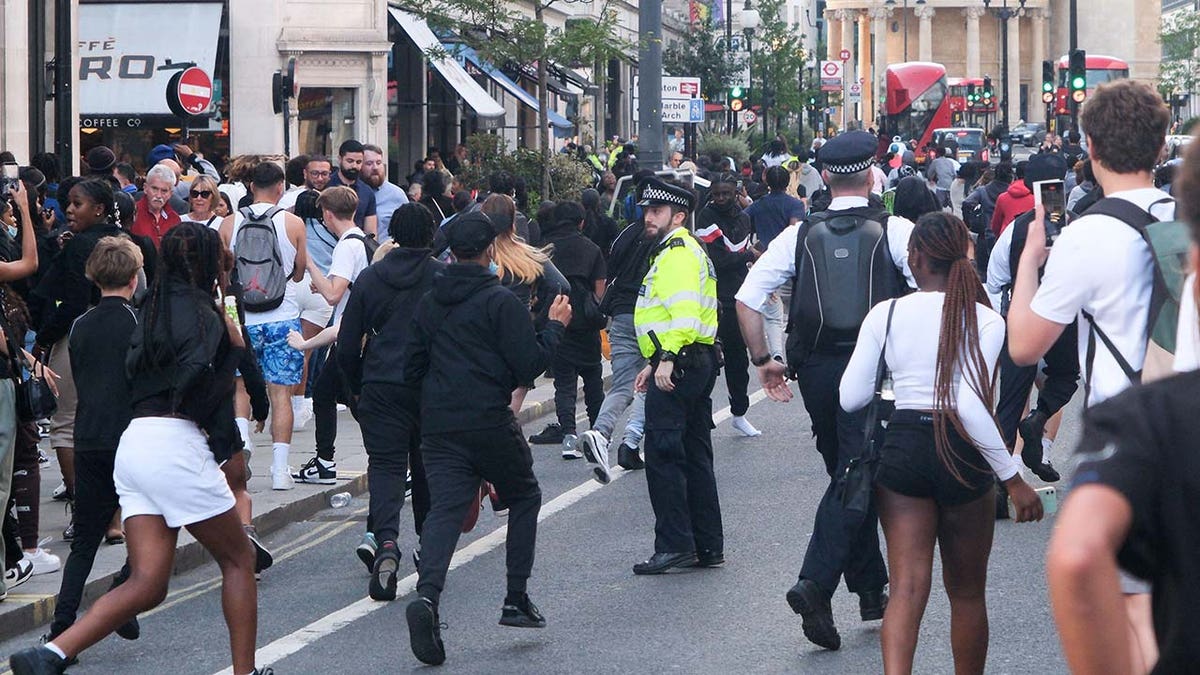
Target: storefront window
[{"x": 327, "y": 118}]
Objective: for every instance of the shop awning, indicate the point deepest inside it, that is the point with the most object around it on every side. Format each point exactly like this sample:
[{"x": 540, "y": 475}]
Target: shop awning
[
  {"x": 490, "y": 113},
  {"x": 470, "y": 55}
]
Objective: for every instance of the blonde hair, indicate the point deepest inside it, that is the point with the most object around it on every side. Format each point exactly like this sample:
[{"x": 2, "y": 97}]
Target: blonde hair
[
  {"x": 510, "y": 253},
  {"x": 339, "y": 200},
  {"x": 113, "y": 263}
]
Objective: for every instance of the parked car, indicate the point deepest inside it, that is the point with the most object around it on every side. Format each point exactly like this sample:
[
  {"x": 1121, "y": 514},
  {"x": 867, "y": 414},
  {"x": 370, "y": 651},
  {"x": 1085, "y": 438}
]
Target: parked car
[
  {"x": 969, "y": 143},
  {"x": 1029, "y": 134}
]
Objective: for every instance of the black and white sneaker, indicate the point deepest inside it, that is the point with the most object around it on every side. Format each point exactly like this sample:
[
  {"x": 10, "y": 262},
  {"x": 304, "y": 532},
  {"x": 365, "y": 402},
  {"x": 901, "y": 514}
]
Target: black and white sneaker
[
  {"x": 551, "y": 435},
  {"x": 61, "y": 494},
  {"x": 522, "y": 614},
  {"x": 383, "y": 573},
  {"x": 425, "y": 632},
  {"x": 366, "y": 550},
  {"x": 594, "y": 446},
  {"x": 262, "y": 557},
  {"x": 317, "y": 471},
  {"x": 37, "y": 661},
  {"x": 17, "y": 575}
]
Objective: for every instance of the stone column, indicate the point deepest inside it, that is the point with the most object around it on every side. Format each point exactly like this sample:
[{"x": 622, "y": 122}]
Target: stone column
[
  {"x": 833, "y": 29},
  {"x": 846, "y": 17},
  {"x": 1014, "y": 70},
  {"x": 1037, "y": 42},
  {"x": 879, "y": 20},
  {"x": 925, "y": 50},
  {"x": 862, "y": 74},
  {"x": 973, "y": 15}
]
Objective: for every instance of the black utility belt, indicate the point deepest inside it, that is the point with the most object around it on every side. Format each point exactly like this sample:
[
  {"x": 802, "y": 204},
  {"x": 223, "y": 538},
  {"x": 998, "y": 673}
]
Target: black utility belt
[{"x": 695, "y": 353}]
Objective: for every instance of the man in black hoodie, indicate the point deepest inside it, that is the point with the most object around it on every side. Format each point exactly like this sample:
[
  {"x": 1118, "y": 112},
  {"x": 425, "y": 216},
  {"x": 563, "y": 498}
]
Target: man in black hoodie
[
  {"x": 380, "y": 310},
  {"x": 470, "y": 334},
  {"x": 725, "y": 230}
]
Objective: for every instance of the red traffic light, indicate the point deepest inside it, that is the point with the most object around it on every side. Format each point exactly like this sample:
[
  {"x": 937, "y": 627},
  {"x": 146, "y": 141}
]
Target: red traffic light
[
  {"x": 1078, "y": 95},
  {"x": 1047, "y": 97}
]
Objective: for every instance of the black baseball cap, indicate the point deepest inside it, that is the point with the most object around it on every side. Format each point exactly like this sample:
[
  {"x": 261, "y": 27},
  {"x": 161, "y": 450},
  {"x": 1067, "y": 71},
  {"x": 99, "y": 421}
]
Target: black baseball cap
[{"x": 470, "y": 234}]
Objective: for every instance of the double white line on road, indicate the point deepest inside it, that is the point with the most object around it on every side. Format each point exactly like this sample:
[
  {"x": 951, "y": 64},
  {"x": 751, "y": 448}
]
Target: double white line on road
[{"x": 331, "y": 623}]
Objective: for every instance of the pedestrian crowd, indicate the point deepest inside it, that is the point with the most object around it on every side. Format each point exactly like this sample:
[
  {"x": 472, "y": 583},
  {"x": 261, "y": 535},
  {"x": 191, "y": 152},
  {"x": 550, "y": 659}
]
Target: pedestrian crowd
[{"x": 150, "y": 321}]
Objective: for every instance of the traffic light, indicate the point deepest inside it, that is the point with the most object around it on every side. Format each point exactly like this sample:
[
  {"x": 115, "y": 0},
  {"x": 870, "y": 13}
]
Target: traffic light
[
  {"x": 988, "y": 95},
  {"x": 1047, "y": 82},
  {"x": 737, "y": 99},
  {"x": 1078, "y": 75},
  {"x": 972, "y": 97}
]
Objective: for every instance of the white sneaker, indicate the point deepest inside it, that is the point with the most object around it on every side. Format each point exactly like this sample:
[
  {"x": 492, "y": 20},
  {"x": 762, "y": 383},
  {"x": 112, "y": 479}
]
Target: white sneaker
[
  {"x": 744, "y": 427},
  {"x": 18, "y": 575},
  {"x": 44, "y": 562},
  {"x": 301, "y": 415},
  {"x": 595, "y": 449},
  {"x": 569, "y": 450},
  {"x": 60, "y": 493},
  {"x": 281, "y": 478}
]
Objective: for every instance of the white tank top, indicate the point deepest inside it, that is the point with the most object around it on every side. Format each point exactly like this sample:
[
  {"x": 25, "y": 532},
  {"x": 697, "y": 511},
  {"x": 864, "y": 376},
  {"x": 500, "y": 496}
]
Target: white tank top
[{"x": 290, "y": 309}]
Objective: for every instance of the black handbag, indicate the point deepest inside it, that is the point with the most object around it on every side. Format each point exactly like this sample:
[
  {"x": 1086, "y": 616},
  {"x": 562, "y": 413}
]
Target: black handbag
[
  {"x": 34, "y": 399},
  {"x": 856, "y": 485}
]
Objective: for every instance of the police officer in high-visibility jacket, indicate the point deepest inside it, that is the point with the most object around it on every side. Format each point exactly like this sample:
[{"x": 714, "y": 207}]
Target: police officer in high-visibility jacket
[{"x": 676, "y": 323}]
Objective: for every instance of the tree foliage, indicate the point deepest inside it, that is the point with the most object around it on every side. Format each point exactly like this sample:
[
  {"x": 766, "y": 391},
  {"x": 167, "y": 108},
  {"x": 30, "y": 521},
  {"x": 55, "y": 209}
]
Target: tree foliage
[
  {"x": 777, "y": 57},
  {"x": 1180, "y": 38},
  {"x": 702, "y": 52}
]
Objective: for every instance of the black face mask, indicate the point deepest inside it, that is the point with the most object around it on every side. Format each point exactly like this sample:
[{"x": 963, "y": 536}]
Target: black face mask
[{"x": 350, "y": 174}]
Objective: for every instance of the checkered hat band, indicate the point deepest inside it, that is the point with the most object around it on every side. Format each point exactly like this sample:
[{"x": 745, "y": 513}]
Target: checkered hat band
[
  {"x": 662, "y": 196},
  {"x": 849, "y": 168}
]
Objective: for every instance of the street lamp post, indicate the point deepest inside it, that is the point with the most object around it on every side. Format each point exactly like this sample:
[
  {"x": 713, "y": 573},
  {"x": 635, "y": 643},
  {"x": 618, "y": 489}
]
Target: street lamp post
[
  {"x": 729, "y": 114},
  {"x": 892, "y": 3},
  {"x": 750, "y": 20},
  {"x": 1004, "y": 13}
]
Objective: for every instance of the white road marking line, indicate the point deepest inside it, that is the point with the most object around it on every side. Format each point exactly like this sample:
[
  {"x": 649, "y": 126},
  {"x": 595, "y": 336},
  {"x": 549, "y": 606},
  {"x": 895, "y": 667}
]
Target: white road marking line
[{"x": 331, "y": 623}]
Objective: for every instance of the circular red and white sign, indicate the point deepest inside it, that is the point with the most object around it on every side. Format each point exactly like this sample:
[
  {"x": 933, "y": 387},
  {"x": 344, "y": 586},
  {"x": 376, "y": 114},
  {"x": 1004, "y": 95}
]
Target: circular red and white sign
[
  {"x": 195, "y": 90},
  {"x": 749, "y": 117},
  {"x": 831, "y": 69},
  {"x": 844, "y": 54}
]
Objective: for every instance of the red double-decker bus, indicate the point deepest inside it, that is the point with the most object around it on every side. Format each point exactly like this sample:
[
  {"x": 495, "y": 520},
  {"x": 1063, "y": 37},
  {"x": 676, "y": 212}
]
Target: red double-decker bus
[
  {"x": 1100, "y": 69},
  {"x": 965, "y": 112},
  {"x": 918, "y": 101}
]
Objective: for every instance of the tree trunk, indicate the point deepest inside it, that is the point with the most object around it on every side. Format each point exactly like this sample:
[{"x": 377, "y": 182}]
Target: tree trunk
[{"x": 543, "y": 111}]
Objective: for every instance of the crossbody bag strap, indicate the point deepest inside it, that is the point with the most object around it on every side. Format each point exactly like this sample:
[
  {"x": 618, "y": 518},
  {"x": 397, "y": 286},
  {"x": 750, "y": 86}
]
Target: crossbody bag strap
[
  {"x": 872, "y": 418},
  {"x": 1094, "y": 331}
]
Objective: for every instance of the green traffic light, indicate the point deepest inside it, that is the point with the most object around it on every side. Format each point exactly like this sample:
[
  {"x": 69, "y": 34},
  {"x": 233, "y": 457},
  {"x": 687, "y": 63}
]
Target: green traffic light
[
  {"x": 1078, "y": 83},
  {"x": 736, "y": 92},
  {"x": 1047, "y": 87}
]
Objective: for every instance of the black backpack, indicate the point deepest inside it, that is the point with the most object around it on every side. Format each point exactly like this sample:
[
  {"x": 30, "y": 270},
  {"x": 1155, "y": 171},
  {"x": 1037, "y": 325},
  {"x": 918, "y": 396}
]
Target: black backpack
[
  {"x": 258, "y": 262},
  {"x": 369, "y": 242},
  {"x": 843, "y": 269}
]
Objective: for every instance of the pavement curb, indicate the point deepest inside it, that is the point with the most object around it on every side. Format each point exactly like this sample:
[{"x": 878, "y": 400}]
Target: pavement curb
[
  {"x": 191, "y": 555},
  {"x": 188, "y": 556}
]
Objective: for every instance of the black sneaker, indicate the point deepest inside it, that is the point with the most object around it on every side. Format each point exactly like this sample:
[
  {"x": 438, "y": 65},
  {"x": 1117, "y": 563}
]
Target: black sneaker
[
  {"x": 37, "y": 661},
  {"x": 710, "y": 559},
  {"x": 1032, "y": 429},
  {"x": 317, "y": 471},
  {"x": 383, "y": 573},
  {"x": 872, "y": 605},
  {"x": 629, "y": 459},
  {"x": 262, "y": 557},
  {"x": 661, "y": 563},
  {"x": 130, "y": 630},
  {"x": 551, "y": 435},
  {"x": 49, "y": 637},
  {"x": 522, "y": 614},
  {"x": 424, "y": 632},
  {"x": 812, "y": 604}
]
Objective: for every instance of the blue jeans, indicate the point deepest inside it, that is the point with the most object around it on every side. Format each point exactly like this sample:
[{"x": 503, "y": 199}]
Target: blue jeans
[{"x": 627, "y": 362}]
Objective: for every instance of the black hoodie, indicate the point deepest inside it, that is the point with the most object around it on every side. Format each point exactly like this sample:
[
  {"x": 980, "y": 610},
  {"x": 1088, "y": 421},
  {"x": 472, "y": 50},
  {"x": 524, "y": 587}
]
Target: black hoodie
[
  {"x": 380, "y": 310},
  {"x": 472, "y": 343}
]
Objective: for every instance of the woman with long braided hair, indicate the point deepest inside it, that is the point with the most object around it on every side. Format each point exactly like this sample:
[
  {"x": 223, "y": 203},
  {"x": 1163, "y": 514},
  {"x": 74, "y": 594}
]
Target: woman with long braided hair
[
  {"x": 181, "y": 362},
  {"x": 942, "y": 451}
]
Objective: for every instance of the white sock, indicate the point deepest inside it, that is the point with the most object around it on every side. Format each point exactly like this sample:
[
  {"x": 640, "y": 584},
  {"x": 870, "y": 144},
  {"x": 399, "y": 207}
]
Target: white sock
[
  {"x": 243, "y": 426},
  {"x": 297, "y": 401},
  {"x": 54, "y": 648},
  {"x": 280, "y": 455},
  {"x": 1047, "y": 443}
]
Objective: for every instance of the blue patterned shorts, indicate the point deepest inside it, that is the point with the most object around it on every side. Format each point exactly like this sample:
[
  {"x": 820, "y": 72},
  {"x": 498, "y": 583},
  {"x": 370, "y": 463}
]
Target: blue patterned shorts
[{"x": 279, "y": 362}]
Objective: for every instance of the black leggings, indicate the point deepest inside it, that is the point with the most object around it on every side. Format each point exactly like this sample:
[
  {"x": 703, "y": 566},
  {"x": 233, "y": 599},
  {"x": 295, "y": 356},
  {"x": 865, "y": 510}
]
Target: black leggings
[
  {"x": 27, "y": 483},
  {"x": 328, "y": 391}
]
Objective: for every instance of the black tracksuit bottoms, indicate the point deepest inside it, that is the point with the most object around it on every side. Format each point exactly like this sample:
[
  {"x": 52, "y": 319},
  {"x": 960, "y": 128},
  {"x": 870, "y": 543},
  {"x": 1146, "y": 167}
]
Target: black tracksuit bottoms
[
  {"x": 455, "y": 464},
  {"x": 328, "y": 390},
  {"x": 737, "y": 360},
  {"x": 1061, "y": 381},
  {"x": 841, "y": 544},
  {"x": 566, "y": 386},
  {"x": 391, "y": 432},
  {"x": 95, "y": 503}
]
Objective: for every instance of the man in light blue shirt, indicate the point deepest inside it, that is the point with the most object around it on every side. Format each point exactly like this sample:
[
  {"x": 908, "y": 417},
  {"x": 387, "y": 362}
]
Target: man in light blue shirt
[{"x": 388, "y": 196}]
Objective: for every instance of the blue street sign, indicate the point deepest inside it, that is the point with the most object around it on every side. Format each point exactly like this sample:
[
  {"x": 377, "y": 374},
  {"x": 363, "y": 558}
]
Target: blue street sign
[{"x": 696, "y": 110}]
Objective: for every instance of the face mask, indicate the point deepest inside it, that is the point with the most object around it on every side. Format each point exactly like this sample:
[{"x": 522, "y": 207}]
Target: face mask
[
  {"x": 350, "y": 174},
  {"x": 12, "y": 231},
  {"x": 493, "y": 267}
]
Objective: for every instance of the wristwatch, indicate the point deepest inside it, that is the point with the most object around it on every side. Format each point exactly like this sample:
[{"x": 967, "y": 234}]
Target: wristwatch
[
  {"x": 761, "y": 361},
  {"x": 667, "y": 356}
]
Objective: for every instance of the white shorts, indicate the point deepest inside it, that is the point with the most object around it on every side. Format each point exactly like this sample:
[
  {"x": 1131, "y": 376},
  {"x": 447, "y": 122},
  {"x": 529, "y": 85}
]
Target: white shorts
[
  {"x": 313, "y": 306},
  {"x": 164, "y": 468}
]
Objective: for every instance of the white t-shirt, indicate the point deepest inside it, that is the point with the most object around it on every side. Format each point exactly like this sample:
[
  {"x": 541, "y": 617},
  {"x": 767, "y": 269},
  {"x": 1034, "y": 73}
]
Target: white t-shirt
[
  {"x": 349, "y": 258},
  {"x": 1102, "y": 266},
  {"x": 290, "y": 309},
  {"x": 1187, "y": 335},
  {"x": 912, "y": 348}
]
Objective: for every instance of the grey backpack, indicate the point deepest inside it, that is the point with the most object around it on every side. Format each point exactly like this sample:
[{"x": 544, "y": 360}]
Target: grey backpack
[{"x": 258, "y": 264}]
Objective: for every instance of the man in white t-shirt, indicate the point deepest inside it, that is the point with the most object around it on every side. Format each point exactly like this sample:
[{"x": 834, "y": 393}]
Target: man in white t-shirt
[
  {"x": 1101, "y": 267},
  {"x": 281, "y": 364},
  {"x": 338, "y": 205}
]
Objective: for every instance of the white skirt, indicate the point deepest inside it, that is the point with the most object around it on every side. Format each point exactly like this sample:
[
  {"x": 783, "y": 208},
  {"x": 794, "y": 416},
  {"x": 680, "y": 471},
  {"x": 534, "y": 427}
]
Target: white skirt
[{"x": 164, "y": 468}]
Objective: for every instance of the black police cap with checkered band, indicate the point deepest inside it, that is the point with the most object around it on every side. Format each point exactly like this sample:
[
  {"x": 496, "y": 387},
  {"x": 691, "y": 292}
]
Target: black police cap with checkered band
[
  {"x": 847, "y": 153},
  {"x": 655, "y": 191}
]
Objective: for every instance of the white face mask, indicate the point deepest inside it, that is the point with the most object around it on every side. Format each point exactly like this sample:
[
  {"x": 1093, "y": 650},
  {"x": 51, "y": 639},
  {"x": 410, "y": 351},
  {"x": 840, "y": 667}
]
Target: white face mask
[{"x": 12, "y": 231}]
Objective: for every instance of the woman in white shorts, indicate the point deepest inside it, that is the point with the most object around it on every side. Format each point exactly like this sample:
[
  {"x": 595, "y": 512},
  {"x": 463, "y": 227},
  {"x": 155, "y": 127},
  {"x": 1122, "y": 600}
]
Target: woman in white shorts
[{"x": 181, "y": 362}]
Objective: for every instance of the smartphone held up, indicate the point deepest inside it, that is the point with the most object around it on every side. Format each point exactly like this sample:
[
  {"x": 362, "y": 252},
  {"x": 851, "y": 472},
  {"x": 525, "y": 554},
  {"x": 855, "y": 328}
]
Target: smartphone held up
[{"x": 1052, "y": 197}]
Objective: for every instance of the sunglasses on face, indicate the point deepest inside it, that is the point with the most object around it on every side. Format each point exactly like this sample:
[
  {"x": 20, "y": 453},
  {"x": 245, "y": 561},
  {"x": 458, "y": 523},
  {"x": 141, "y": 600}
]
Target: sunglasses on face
[{"x": 203, "y": 194}]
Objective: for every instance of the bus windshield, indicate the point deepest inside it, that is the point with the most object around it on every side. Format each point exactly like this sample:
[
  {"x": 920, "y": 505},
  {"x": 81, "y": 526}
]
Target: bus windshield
[
  {"x": 912, "y": 123},
  {"x": 1095, "y": 76}
]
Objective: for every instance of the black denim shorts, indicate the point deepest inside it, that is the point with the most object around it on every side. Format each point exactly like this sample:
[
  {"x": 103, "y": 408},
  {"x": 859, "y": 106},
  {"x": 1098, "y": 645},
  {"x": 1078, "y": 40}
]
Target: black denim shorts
[{"x": 909, "y": 463}]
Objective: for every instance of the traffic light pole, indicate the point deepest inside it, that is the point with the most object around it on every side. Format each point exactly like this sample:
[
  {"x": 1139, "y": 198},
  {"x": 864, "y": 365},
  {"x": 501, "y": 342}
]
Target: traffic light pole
[{"x": 1073, "y": 21}]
